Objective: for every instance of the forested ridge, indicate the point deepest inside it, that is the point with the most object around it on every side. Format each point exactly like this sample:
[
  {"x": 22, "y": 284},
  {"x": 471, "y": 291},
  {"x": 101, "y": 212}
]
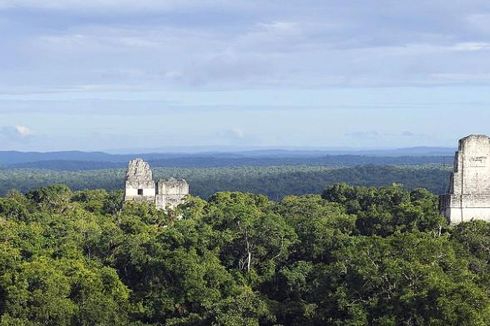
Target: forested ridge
[
  {"x": 272, "y": 181},
  {"x": 76, "y": 160},
  {"x": 226, "y": 161},
  {"x": 348, "y": 256}
]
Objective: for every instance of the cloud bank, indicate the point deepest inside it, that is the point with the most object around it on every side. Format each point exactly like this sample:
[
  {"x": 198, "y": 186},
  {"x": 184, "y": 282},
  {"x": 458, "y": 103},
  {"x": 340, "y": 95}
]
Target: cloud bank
[
  {"x": 85, "y": 74},
  {"x": 242, "y": 44}
]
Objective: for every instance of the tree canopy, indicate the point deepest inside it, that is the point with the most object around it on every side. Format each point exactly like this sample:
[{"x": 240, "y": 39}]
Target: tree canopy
[{"x": 349, "y": 256}]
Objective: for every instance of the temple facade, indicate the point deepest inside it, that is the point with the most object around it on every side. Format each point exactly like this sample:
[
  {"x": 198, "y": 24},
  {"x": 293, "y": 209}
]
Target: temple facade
[
  {"x": 140, "y": 186},
  {"x": 468, "y": 195}
]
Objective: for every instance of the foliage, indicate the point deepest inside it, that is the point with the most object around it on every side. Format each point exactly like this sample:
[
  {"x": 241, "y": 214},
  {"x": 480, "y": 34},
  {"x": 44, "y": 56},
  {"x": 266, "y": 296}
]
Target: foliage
[
  {"x": 275, "y": 182},
  {"x": 351, "y": 256}
]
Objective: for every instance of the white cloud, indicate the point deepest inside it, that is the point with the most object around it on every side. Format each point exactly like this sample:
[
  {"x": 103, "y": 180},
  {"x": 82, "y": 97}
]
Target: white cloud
[
  {"x": 280, "y": 27},
  {"x": 237, "y": 132},
  {"x": 234, "y": 133},
  {"x": 116, "y": 5},
  {"x": 235, "y": 136},
  {"x": 479, "y": 22},
  {"x": 15, "y": 134},
  {"x": 461, "y": 77},
  {"x": 23, "y": 131},
  {"x": 471, "y": 46},
  {"x": 214, "y": 45}
]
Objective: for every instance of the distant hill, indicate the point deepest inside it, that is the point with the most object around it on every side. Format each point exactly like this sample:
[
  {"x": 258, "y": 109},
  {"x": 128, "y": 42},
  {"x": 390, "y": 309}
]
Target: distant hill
[
  {"x": 410, "y": 151},
  {"x": 14, "y": 157},
  {"x": 222, "y": 161}
]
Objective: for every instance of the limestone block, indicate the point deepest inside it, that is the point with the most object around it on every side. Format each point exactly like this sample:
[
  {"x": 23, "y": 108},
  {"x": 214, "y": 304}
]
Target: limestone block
[
  {"x": 141, "y": 186},
  {"x": 468, "y": 195},
  {"x": 173, "y": 187},
  {"x": 139, "y": 181}
]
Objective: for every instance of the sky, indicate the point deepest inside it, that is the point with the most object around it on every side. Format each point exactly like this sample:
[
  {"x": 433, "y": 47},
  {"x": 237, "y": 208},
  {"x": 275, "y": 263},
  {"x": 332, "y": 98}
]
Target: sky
[{"x": 148, "y": 75}]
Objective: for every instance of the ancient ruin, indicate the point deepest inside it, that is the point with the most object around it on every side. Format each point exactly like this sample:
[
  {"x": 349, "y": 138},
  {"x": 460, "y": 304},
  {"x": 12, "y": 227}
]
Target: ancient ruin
[
  {"x": 166, "y": 194},
  {"x": 468, "y": 195}
]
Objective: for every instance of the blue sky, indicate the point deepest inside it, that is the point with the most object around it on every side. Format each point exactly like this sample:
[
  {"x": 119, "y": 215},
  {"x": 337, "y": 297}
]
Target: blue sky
[{"x": 184, "y": 74}]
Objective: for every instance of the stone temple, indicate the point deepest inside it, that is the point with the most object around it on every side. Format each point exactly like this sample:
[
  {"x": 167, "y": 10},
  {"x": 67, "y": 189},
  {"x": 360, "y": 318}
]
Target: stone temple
[
  {"x": 140, "y": 186},
  {"x": 468, "y": 195}
]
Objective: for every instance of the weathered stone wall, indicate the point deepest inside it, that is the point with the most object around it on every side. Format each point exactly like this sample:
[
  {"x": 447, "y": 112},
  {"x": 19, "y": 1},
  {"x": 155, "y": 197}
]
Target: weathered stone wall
[
  {"x": 139, "y": 181},
  {"x": 140, "y": 186},
  {"x": 170, "y": 193},
  {"x": 172, "y": 187},
  {"x": 469, "y": 190}
]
